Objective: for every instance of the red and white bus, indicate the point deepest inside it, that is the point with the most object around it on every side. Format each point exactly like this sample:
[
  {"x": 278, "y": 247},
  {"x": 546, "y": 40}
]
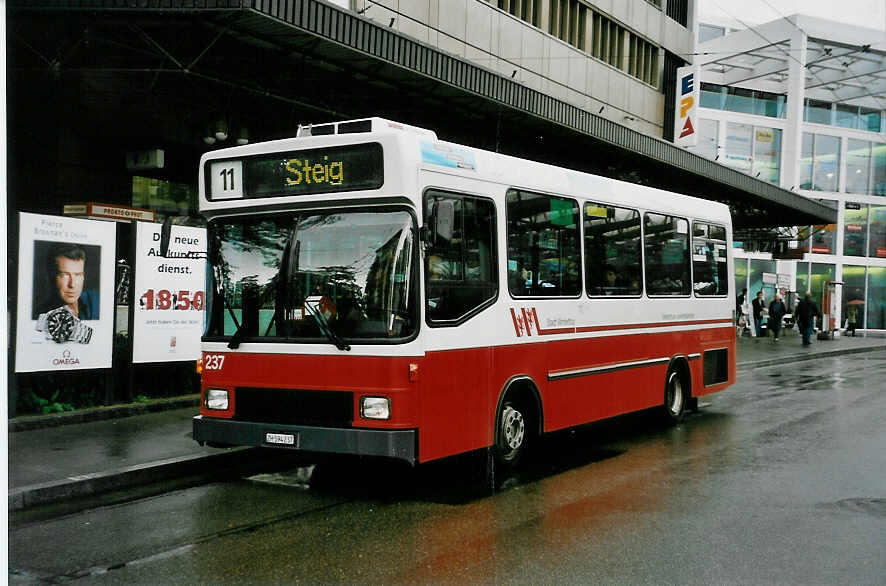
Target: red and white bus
[{"x": 373, "y": 290}]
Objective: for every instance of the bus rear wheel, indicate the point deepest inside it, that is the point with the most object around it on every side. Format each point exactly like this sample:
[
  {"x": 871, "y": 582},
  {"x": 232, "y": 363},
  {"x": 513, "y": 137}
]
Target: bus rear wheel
[
  {"x": 676, "y": 395},
  {"x": 511, "y": 434}
]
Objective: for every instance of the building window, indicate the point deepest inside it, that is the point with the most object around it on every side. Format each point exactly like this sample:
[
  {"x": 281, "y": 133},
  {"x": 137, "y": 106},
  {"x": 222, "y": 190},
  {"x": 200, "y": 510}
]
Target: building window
[
  {"x": 844, "y": 115},
  {"x": 865, "y": 167},
  {"x": 643, "y": 60},
  {"x": 568, "y": 21},
  {"x": 612, "y": 250},
  {"x": 525, "y": 10},
  {"x": 820, "y": 162},
  {"x": 678, "y": 10},
  {"x": 817, "y": 112},
  {"x": 608, "y": 41},
  {"x": 767, "y": 154},
  {"x": 736, "y": 99},
  {"x": 855, "y": 229},
  {"x": 544, "y": 257},
  {"x": 739, "y": 146},
  {"x": 708, "y": 139},
  {"x": 706, "y": 32}
]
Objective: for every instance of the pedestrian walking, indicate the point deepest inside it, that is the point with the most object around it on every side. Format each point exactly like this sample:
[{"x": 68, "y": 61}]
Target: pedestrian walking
[
  {"x": 740, "y": 317},
  {"x": 851, "y": 321},
  {"x": 777, "y": 311},
  {"x": 758, "y": 307},
  {"x": 806, "y": 314}
]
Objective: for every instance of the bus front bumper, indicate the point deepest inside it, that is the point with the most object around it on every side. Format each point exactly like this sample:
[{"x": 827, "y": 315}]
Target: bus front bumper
[{"x": 399, "y": 444}]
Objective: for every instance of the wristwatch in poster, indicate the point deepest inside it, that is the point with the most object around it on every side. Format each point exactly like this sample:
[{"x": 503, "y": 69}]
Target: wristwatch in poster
[{"x": 60, "y": 326}]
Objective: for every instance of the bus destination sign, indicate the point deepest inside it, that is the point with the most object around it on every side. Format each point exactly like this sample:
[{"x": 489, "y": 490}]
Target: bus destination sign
[{"x": 307, "y": 172}]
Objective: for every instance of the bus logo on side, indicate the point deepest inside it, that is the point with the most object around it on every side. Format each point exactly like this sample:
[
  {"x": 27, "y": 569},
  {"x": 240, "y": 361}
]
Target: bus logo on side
[{"x": 524, "y": 321}]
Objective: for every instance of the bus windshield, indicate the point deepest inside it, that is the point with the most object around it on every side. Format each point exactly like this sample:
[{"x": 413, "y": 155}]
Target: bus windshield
[{"x": 273, "y": 274}]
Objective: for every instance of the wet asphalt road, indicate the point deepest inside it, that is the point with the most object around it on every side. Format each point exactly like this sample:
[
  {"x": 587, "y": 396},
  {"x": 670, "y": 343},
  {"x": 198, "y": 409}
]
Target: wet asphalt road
[{"x": 780, "y": 479}]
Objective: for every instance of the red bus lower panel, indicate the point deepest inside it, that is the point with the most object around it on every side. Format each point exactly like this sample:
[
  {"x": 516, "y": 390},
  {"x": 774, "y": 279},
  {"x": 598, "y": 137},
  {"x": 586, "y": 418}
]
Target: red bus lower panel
[{"x": 399, "y": 444}]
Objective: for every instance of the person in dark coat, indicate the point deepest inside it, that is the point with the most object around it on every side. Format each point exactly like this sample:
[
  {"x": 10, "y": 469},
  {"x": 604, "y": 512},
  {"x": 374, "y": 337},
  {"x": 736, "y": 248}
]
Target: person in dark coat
[
  {"x": 758, "y": 306},
  {"x": 777, "y": 311},
  {"x": 806, "y": 314}
]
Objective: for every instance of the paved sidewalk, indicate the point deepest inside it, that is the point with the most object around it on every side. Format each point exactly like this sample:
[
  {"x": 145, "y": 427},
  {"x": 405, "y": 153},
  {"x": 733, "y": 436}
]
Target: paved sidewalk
[{"x": 49, "y": 462}]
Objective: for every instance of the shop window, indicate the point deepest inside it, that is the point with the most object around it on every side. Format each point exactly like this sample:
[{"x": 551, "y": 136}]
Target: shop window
[
  {"x": 544, "y": 257},
  {"x": 710, "y": 276},
  {"x": 876, "y": 303},
  {"x": 855, "y": 229},
  {"x": 853, "y": 309},
  {"x": 802, "y": 278},
  {"x": 166, "y": 198},
  {"x": 822, "y": 241},
  {"x": 612, "y": 250},
  {"x": 820, "y": 273},
  {"x": 878, "y": 232},
  {"x": 741, "y": 275},
  {"x": 758, "y": 267},
  {"x": 666, "y": 242},
  {"x": 460, "y": 265}
]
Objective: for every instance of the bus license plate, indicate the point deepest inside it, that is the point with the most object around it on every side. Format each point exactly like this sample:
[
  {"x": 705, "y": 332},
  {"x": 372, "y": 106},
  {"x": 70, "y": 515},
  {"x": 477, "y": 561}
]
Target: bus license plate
[{"x": 284, "y": 439}]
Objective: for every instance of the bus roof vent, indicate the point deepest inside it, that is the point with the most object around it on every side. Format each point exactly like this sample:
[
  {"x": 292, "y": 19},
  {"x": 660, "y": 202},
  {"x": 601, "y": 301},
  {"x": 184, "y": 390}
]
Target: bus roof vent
[{"x": 358, "y": 126}]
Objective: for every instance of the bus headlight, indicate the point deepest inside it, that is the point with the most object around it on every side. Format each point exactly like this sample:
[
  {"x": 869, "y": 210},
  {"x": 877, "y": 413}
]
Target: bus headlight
[
  {"x": 375, "y": 407},
  {"x": 217, "y": 399}
]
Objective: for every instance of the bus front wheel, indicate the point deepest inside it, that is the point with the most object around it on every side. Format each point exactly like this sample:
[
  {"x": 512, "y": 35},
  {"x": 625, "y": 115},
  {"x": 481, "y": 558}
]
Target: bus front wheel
[{"x": 676, "y": 394}]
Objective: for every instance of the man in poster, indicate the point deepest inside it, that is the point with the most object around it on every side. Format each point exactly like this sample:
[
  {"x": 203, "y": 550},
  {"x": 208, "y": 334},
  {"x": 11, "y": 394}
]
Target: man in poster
[{"x": 61, "y": 316}]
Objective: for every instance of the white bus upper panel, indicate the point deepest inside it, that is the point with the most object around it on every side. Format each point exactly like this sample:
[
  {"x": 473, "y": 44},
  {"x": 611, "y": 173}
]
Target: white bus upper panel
[{"x": 405, "y": 150}]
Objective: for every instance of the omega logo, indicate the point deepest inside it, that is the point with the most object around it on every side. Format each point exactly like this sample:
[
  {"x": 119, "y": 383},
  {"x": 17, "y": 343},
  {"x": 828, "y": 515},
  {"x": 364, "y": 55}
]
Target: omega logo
[{"x": 66, "y": 359}]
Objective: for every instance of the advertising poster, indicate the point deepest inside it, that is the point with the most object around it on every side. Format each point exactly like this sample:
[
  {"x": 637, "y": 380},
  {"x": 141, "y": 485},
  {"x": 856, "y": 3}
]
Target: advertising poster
[
  {"x": 169, "y": 294},
  {"x": 65, "y": 318}
]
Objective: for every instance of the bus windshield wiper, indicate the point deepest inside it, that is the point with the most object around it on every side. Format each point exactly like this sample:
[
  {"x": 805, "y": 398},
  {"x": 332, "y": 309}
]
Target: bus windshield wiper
[{"x": 323, "y": 323}]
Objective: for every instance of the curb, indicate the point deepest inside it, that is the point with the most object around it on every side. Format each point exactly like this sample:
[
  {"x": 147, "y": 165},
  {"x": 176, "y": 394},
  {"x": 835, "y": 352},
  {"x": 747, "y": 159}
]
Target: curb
[
  {"x": 811, "y": 356},
  {"x": 239, "y": 460},
  {"x": 31, "y": 422}
]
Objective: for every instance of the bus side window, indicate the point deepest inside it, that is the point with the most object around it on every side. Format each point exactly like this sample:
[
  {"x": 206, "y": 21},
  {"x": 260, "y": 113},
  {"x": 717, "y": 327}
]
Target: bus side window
[
  {"x": 709, "y": 269},
  {"x": 666, "y": 240},
  {"x": 544, "y": 247},
  {"x": 460, "y": 262},
  {"x": 612, "y": 250}
]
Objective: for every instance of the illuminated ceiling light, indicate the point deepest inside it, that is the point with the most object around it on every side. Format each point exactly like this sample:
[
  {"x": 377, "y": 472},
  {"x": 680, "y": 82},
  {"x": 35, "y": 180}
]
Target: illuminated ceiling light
[{"x": 243, "y": 136}]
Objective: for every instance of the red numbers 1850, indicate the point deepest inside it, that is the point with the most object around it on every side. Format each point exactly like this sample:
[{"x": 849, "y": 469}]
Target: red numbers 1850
[{"x": 164, "y": 299}]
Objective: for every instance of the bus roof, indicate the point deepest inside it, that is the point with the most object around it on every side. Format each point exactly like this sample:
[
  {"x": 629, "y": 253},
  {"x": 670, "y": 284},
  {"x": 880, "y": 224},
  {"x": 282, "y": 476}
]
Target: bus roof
[{"x": 419, "y": 148}]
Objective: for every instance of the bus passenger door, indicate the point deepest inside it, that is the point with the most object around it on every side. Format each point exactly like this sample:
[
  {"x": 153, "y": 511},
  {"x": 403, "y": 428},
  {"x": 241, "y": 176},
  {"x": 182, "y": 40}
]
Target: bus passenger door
[{"x": 460, "y": 285}]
